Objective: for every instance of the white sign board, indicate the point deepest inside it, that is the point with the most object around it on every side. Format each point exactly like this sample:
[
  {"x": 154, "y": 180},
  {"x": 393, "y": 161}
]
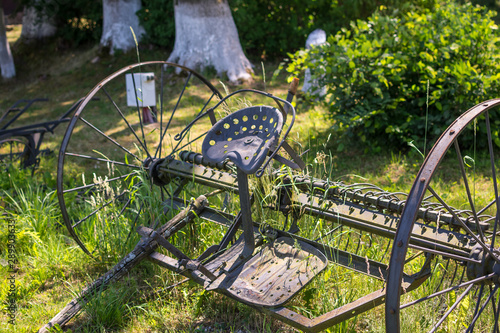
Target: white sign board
[{"x": 144, "y": 93}]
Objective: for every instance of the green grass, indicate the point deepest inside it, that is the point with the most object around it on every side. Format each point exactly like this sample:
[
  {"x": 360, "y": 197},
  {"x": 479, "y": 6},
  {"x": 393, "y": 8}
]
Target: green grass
[{"x": 52, "y": 269}]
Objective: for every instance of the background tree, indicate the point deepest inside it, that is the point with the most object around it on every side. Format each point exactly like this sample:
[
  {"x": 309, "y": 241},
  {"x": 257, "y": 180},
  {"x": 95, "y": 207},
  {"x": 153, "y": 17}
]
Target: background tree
[
  {"x": 37, "y": 23},
  {"x": 119, "y": 16},
  {"x": 76, "y": 21},
  {"x": 206, "y": 36},
  {"x": 7, "y": 67}
]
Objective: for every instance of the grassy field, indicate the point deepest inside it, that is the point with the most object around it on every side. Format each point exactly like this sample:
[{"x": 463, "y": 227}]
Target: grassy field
[{"x": 52, "y": 269}]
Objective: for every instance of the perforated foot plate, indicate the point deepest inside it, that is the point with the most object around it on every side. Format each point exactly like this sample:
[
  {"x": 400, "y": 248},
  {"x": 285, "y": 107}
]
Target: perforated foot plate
[{"x": 275, "y": 274}]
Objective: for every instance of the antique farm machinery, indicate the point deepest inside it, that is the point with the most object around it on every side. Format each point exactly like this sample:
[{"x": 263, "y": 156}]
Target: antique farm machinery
[
  {"x": 21, "y": 145},
  {"x": 273, "y": 227}
]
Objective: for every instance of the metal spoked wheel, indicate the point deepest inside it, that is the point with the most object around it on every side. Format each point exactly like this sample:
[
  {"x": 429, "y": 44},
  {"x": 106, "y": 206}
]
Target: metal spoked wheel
[
  {"x": 461, "y": 294},
  {"x": 131, "y": 119},
  {"x": 15, "y": 152}
]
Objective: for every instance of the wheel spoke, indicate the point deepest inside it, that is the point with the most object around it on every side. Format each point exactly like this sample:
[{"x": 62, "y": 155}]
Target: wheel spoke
[
  {"x": 110, "y": 139},
  {"x": 158, "y": 150},
  {"x": 467, "y": 189},
  {"x": 177, "y": 148},
  {"x": 84, "y": 187},
  {"x": 162, "y": 135},
  {"x": 447, "y": 290},
  {"x": 497, "y": 315},
  {"x": 142, "y": 143},
  {"x": 457, "y": 302},
  {"x": 464, "y": 226},
  {"x": 103, "y": 160},
  {"x": 493, "y": 174},
  {"x": 107, "y": 203},
  {"x": 478, "y": 314},
  {"x": 493, "y": 302},
  {"x": 444, "y": 254},
  {"x": 132, "y": 227}
]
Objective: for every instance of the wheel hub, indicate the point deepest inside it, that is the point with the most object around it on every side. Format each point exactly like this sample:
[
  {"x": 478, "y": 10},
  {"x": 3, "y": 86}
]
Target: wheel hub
[
  {"x": 488, "y": 264},
  {"x": 151, "y": 164}
]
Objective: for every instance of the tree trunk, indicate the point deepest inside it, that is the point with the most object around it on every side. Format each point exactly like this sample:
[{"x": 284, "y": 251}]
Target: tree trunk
[
  {"x": 6, "y": 60},
  {"x": 36, "y": 25},
  {"x": 316, "y": 38},
  {"x": 119, "y": 16},
  {"x": 206, "y": 36}
]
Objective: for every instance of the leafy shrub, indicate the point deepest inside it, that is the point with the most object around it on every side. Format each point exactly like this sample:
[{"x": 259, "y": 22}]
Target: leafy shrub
[
  {"x": 377, "y": 73},
  {"x": 291, "y": 21},
  {"x": 157, "y": 18}
]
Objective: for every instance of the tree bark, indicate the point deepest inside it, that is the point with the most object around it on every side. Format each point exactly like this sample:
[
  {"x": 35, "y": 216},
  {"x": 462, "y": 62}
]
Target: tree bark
[
  {"x": 7, "y": 67},
  {"x": 119, "y": 16},
  {"x": 36, "y": 25},
  {"x": 206, "y": 36},
  {"x": 316, "y": 38}
]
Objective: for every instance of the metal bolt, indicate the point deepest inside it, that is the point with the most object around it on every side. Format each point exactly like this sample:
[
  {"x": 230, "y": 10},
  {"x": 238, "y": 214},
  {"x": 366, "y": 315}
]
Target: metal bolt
[
  {"x": 452, "y": 132},
  {"x": 422, "y": 179},
  {"x": 392, "y": 311},
  {"x": 400, "y": 243}
]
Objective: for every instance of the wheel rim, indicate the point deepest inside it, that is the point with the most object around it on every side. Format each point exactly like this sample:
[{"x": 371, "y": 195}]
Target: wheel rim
[
  {"x": 104, "y": 189},
  {"x": 477, "y": 282},
  {"x": 14, "y": 152}
]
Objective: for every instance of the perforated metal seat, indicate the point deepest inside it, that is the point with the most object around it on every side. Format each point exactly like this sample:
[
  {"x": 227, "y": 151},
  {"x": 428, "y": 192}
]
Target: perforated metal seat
[{"x": 244, "y": 137}]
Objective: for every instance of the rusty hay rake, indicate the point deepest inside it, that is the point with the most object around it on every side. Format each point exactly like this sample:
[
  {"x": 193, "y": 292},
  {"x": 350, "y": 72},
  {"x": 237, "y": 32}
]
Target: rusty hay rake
[{"x": 420, "y": 254}]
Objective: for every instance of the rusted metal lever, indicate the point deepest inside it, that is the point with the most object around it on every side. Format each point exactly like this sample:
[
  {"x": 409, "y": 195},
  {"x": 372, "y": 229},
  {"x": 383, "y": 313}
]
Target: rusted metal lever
[{"x": 184, "y": 260}]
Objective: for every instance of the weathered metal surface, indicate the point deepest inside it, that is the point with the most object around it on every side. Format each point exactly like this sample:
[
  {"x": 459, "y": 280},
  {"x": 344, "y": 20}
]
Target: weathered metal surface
[
  {"x": 361, "y": 218},
  {"x": 203, "y": 175},
  {"x": 342, "y": 313},
  {"x": 275, "y": 274},
  {"x": 377, "y": 199},
  {"x": 244, "y": 137}
]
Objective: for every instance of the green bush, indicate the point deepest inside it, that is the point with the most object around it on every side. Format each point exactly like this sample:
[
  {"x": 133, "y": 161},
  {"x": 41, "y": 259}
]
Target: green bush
[
  {"x": 273, "y": 28},
  {"x": 157, "y": 18},
  {"x": 377, "y": 73},
  {"x": 290, "y": 22}
]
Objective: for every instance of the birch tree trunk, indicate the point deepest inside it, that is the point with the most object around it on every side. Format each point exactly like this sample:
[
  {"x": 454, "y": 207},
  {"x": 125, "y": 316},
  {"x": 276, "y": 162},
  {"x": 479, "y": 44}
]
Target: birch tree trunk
[
  {"x": 206, "y": 35},
  {"x": 6, "y": 60},
  {"x": 119, "y": 16}
]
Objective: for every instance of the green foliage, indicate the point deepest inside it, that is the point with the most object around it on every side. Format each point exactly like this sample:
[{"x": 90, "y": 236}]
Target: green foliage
[
  {"x": 291, "y": 21},
  {"x": 157, "y": 18},
  {"x": 377, "y": 72}
]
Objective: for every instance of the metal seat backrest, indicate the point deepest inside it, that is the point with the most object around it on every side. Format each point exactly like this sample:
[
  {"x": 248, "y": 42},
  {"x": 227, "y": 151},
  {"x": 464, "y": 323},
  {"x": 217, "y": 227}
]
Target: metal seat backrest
[{"x": 244, "y": 137}]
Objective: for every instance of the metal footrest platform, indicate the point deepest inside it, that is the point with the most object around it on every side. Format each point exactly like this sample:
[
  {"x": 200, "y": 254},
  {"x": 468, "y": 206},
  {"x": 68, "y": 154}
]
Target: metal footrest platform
[{"x": 275, "y": 274}]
